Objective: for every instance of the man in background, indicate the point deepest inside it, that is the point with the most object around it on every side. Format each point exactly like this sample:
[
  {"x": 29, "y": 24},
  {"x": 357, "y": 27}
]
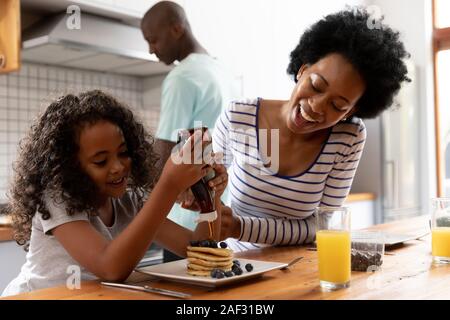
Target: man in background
[{"x": 196, "y": 90}]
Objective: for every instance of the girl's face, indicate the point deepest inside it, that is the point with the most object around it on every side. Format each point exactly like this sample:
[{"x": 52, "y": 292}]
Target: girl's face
[
  {"x": 326, "y": 93},
  {"x": 104, "y": 157}
]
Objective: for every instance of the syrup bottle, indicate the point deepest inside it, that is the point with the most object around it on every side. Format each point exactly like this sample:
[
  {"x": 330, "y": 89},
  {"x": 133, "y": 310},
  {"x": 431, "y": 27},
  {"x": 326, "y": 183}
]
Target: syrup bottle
[{"x": 202, "y": 193}]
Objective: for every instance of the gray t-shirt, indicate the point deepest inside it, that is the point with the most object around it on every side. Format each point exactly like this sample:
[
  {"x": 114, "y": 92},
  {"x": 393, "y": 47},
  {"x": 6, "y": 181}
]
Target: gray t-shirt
[{"x": 47, "y": 263}]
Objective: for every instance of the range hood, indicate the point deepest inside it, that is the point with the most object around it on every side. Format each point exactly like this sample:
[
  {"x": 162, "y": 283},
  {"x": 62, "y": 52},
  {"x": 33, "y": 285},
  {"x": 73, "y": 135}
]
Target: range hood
[{"x": 101, "y": 44}]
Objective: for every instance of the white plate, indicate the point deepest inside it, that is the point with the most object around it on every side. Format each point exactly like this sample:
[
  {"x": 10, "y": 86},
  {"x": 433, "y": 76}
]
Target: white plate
[
  {"x": 177, "y": 271},
  {"x": 392, "y": 239}
]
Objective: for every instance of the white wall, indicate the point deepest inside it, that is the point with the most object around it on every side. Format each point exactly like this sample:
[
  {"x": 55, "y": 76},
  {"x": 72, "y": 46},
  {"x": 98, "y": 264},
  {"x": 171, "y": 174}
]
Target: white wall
[
  {"x": 413, "y": 18},
  {"x": 255, "y": 37},
  {"x": 27, "y": 92}
]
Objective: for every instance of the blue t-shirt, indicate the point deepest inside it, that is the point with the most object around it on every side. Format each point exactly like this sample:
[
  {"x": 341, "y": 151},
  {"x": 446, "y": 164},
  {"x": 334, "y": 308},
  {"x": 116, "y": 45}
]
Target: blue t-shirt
[{"x": 193, "y": 95}]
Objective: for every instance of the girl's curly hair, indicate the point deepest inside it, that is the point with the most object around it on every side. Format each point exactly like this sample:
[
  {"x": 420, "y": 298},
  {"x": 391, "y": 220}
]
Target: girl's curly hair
[
  {"x": 377, "y": 53},
  {"x": 48, "y": 159}
]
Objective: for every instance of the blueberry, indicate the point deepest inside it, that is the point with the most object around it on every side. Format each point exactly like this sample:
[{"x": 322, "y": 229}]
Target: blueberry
[
  {"x": 248, "y": 267},
  {"x": 204, "y": 243},
  {"x": 237, "y": 270},
  {"x": 214, "y": 272},
  {"x": 220, "y": 274},
  {"x": 229, "y": 274},
  {"x": 212, "y": 244},
  {"x": 237, "y": 263},
  {"x": 223, "y": 245},
  {"x": 194, "y": 243}
]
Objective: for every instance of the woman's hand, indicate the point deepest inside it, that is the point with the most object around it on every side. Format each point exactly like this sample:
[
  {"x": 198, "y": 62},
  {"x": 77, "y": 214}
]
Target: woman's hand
[{"x": 230, "y": 224}]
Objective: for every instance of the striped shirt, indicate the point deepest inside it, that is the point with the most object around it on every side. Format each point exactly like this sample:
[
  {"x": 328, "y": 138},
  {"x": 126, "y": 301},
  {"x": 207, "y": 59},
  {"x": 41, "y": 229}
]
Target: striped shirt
[{"x": 276, "y": 209}]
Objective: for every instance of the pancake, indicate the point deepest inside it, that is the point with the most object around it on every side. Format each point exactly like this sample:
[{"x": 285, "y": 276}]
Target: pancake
[
  {"x": 207, "y": 257},
  {"x": 210, "y": 263},
  {"x": 202, "y": 260},
  {"x": 215, "y": 251},
  {"x": 197, "y": 267}
]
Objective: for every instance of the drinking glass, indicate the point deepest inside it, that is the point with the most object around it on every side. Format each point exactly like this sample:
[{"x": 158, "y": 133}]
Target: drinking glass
[
  {"x": 440, "y": 230},
  {"x": 333, "y": 247}
]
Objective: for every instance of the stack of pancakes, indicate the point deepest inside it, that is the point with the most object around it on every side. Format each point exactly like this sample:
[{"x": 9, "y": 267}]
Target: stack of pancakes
[{"x": 202, "y": 260}]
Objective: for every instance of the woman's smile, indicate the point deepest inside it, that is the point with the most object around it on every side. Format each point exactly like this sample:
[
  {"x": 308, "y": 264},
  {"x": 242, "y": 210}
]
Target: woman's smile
[{"x": 302, "y": 119}]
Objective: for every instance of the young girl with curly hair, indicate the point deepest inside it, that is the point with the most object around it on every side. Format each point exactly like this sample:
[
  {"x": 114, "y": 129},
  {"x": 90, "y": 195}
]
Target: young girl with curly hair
[{"x": 81, "y": 194}]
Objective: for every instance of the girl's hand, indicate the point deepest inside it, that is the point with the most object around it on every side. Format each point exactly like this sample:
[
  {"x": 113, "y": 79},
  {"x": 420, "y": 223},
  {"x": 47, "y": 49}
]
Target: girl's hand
[
  {"x": 185, "y": 166},
  {"x": 187, "y": 201},
  {"x": 220, "y": 181},
  {"x": 218, "y": 184}
]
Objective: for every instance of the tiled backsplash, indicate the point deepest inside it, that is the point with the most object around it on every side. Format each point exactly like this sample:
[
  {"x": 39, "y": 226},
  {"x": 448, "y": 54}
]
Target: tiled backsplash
[{"x": 24, "y": 94}]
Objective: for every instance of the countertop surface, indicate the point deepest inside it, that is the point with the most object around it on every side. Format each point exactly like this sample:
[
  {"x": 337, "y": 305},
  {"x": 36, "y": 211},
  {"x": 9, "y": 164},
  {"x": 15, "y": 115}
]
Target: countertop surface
[
  {"x": 6, "y": 233},
  {"x": 407, "y": 273},
  {"x": 355, "y": 197}
]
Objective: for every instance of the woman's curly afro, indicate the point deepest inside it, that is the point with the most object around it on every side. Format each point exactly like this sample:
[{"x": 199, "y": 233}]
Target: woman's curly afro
[{"x": 373, "y": 49}]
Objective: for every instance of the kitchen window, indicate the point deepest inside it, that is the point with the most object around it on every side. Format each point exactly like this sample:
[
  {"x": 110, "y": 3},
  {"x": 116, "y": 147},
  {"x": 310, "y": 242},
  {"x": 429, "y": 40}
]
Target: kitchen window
[{"x": 441, "y": 47}]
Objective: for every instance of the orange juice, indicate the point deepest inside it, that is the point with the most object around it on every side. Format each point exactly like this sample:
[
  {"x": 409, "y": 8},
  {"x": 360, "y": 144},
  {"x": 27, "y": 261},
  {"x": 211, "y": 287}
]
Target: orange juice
[
  {"x": 334, "y": 248},
  {"x": 440, "y": 242}
]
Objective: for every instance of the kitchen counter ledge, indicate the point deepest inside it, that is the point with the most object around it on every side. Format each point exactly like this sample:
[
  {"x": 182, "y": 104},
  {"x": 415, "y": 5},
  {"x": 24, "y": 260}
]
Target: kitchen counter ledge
[
  {"x": 6, "y": 233},
  {"x": 407, "y": 273}
]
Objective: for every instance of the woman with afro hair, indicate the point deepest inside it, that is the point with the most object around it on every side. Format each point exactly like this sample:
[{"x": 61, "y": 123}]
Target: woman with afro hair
[
  {"x": 345, "y": 71},
  {"x": 85, "y": 198}
]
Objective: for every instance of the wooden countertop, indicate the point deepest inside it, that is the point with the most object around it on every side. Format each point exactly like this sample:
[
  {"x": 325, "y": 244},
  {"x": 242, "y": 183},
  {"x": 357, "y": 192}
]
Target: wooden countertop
[
  {"x": 407, "y": 273},
  {"x": 6, "y": 233},
  {"x": 354, "y": 197}
]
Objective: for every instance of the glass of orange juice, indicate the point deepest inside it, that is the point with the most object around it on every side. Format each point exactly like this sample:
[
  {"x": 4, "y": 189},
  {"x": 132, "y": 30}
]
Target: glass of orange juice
[
  {"x": 440, "y": 230},
  {"x": 333, "y": 239}
]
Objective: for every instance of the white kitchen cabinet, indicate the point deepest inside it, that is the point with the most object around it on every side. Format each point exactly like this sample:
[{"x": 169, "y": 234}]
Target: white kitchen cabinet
[{"x": 12, "y": 257}]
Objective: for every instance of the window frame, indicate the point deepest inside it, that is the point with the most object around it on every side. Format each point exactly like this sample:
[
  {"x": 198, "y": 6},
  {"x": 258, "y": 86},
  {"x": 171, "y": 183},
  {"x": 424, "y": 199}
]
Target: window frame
[{"x": 441, "y": 42}]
